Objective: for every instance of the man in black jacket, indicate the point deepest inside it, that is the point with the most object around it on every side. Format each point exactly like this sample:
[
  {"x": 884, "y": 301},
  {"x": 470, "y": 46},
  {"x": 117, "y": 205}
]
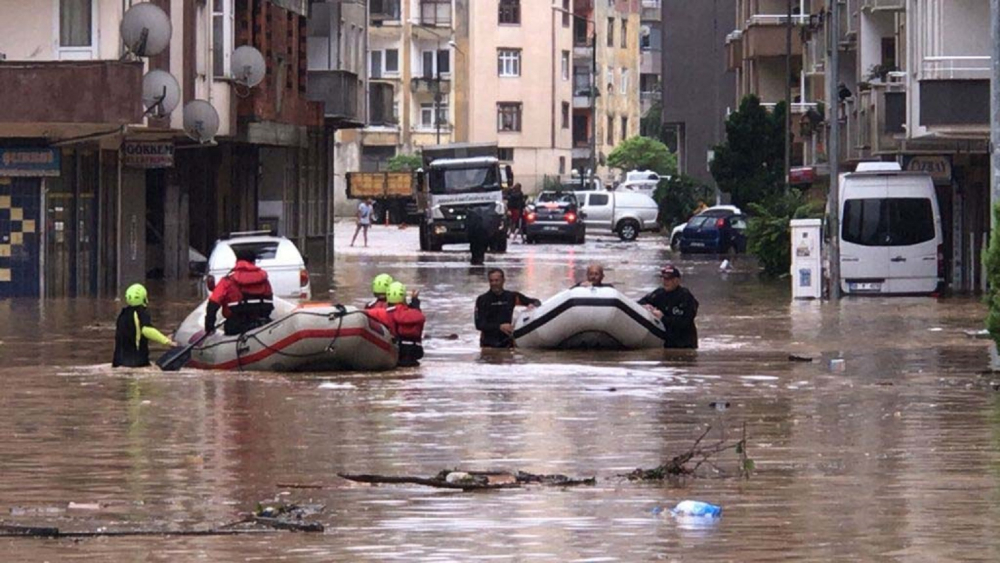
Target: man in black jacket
[
  {"x": 676, "y": 307},
  {"x": 495, "y": 312}
]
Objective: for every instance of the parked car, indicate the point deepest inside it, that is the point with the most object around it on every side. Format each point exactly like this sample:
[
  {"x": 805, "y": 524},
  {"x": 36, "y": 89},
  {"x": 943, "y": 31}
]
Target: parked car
[
  {"x": 715, "y": 231},
  {"x": 675, "y": 233},
  {"x": 285, "y": 267},
  {"x": 554, "y": 214},
  {"x": 623, "y": 213}
]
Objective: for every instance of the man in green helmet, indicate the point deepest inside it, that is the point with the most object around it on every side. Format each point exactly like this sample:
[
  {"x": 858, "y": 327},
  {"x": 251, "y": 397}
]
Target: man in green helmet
[
  {"x": 380, "y": 285},
  {"x": 134, "y": 329}
]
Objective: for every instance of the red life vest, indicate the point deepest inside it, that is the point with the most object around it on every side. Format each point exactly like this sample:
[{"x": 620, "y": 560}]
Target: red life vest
[
  {"x": 381, "y": 314},
  {"x": 409, "y": 322},
  {"x": 244, "y": 291}
]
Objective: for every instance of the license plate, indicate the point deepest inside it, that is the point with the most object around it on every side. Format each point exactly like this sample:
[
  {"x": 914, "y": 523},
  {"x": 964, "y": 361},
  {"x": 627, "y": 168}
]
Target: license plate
[
  {"x": 550, "y": 229},
  {"x": 697, "y": 244},
  {"x": 865, "y": 286}
]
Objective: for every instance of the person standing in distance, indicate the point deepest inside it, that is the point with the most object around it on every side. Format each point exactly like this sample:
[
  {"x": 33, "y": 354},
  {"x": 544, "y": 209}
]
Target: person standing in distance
[
  {"x": 675, "y": 307},
  {"x": 364, "y": 219},
  {"x": 494, "y": 313},
  {"x": 134, "y": 329}
]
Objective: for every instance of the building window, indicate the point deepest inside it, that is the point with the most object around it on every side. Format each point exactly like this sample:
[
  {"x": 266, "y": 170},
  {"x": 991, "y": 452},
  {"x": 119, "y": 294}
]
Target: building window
[
  {"x": 566, "y": 13},
  {"x": 624, "y": 89},
  {"x": 383, "y": 63},
  {"x": 427, "y": 114},
  {"x": 76, "y": 20},
  {"x": 624, "y": 128},
  {"x": 505, "y": 154},
  {"x": 509, "y": 116},
  {"x": 222, "y": 37},
  {"x": 434, "y": 63},
  {"x": 435, "y": 12},
  {"x": 624, "y": 33},
  {"x": 384, "y": 9},
  {"x": 611, "y": 32},
  {"x": 510, "y": 12},
  {"x": 610, "y": 79},
  {"x": 562, "y": 164},
  {"x": 381, "y": 104},
  {"x": 565, "y": 115},
  {"x": 565, "y": 65},
  {"x": 611, "y": 131},
  {"x": 509, "y": 62}
]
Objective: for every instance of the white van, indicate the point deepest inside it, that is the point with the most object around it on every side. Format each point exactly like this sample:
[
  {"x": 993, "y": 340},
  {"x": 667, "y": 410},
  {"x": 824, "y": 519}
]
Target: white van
[{"x": 890, "y": 233}]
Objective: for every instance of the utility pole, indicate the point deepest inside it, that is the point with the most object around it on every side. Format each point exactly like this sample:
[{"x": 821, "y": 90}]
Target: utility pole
[
  {"x": 593, "y": 99},
  {"x": 995, "y": 108},
  {"x": 788, "y": 96},
  {"x": 833, "y": 144}
]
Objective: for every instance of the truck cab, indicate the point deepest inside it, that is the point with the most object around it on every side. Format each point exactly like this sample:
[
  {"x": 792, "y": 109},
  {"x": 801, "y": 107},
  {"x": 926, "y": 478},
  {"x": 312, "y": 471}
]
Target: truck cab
[{"x": 456, "y": 181}]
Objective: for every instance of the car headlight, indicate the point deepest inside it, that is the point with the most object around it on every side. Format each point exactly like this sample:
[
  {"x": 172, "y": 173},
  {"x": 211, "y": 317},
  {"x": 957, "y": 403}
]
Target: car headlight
[{"x": 436, "y": 212}]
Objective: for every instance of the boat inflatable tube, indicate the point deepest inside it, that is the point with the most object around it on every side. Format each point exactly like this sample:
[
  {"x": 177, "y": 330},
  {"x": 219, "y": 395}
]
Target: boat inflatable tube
[
  {"x": 588, "y": 318},
  {"x": 306, "y": 337}
]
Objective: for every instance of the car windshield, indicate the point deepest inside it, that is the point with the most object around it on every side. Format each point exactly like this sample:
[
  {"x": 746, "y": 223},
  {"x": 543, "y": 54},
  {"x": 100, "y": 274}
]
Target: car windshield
[
  {"x": 263, "y": 250},
  {"x": 888, "y": 222},
  {"x": 557, "y": 197},
  {"x": 463, "y": 180}
]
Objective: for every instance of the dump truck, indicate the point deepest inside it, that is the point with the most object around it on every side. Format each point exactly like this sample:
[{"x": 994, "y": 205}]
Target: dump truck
[
  {"x": 456, "y": 180},
  {"x": 393, "y": 193}
]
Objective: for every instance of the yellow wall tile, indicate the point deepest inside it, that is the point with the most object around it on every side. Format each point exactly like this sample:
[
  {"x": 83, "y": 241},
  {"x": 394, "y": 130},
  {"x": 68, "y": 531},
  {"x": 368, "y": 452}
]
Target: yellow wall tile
[
  {"x": 17, "y": 238},
  {"x": 16, "y": 214},
  {"x": 4, "y": 274},
  {"x": 4, "y": 202},
  {"x": 28, "y": 226},
  {"x": 4, "y": 250}
]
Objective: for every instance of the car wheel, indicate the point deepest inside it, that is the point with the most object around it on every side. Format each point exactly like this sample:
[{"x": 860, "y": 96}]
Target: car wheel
[
  {"x": 675, "y": 243},
  {"x": 628, "y": 230}
]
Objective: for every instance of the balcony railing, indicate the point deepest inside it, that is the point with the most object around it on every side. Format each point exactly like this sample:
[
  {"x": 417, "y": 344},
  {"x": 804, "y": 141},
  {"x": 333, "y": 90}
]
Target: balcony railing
[
  {"x": 883, "y": 5},
  {"x": 956, "y": 68},
  {"x": 797, "y": 107},
  {"x": 777, "y": 19},
  {"x": 341, "y": 94},
  {"x": 435, "y": 12}
]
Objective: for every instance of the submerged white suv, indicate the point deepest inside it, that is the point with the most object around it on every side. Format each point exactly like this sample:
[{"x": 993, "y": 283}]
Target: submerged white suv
[{"x": 285, "y": 267}]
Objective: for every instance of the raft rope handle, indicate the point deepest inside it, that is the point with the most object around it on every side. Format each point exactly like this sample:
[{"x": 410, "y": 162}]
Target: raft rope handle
[{"x": 340, "y": 317}]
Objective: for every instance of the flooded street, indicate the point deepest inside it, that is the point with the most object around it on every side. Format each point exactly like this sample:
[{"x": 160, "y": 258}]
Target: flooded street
[{"x": 897, "y": 457}]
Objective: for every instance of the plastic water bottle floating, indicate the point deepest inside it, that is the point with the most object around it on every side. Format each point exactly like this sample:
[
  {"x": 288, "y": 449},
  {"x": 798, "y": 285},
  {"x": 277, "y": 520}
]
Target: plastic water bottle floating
[{"x": 697, "y": 508}]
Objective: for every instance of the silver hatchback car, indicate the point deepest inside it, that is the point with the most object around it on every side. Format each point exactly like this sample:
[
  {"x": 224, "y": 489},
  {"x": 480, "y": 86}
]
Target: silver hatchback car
[{"x": 276, "y": 255}]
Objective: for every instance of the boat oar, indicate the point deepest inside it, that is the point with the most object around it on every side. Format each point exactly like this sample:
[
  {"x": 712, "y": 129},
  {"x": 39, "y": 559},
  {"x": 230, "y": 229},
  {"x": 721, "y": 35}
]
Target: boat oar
[{"x": 175, "y": 358}]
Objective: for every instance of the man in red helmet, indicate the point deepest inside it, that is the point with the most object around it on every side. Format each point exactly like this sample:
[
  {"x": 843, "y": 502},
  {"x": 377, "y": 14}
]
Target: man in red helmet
[{"x": 244, "y": 296}]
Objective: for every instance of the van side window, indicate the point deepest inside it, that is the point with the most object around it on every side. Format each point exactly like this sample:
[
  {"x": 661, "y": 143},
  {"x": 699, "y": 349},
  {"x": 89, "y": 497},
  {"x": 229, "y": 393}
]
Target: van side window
[
  {"x": 888, "y": 222},
  {"x": 598, "y": 199}
]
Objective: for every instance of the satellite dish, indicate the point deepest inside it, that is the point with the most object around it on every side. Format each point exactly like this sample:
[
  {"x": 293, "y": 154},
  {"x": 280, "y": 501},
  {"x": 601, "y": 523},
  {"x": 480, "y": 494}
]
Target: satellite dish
[
  {"x": 146, "y": 30},
  {"x": 160, "y": 93},
  {"x": 248, "y": 66},
  {"x": 201, "y": 121}
]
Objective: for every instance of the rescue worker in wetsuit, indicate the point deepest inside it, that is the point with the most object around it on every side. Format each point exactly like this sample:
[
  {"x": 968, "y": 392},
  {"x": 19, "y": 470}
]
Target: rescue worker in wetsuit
[
  {"x": 409, "y": 324},
  {"x": 675, "y": 307},
  {"x": 134, "y": 329},
  {"x": 244, "y": 295},
  {"x": 495, "y": 312},
  {"x": 380, "y": 285}
]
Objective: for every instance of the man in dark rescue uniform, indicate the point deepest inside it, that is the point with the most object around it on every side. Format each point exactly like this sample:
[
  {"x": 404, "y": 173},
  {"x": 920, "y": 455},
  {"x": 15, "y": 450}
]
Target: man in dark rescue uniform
[
  {"x": 676, "y": 307},
  {"x": 244, "y": 296},
  {"x": 495, "y": 312}
]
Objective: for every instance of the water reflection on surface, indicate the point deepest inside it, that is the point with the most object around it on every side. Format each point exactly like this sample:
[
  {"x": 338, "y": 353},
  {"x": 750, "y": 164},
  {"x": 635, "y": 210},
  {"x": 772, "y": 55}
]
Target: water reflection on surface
[{"x": 893, "y": 458}]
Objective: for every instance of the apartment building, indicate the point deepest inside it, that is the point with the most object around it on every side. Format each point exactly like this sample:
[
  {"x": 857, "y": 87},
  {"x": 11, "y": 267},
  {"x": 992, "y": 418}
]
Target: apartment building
[
  {"x": 96, "y": 193},
  {"x": 914, "y": 88},
  {"x": 650, "y": 56},
  {"x": 698, "y": 85},
  {"x": 606, "y": 74}
]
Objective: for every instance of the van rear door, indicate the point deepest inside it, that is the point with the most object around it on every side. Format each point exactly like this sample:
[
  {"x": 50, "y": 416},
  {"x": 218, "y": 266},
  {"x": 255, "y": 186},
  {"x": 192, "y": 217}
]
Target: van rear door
[
  {"x": 864, "y": 256},
  {"x": 914, "y": 236}
]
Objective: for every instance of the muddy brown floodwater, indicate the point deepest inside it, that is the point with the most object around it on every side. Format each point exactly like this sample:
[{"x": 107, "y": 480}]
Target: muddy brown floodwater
[{"x": 893, "y": 458}]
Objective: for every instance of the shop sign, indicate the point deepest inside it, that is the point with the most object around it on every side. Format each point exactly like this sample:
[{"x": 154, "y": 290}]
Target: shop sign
[
  {"x": 29, "y": 162},
  {"x": 148, "y": 154},
  {"x": 801, "y": 175},
  {"x": 939, "y": 167}
]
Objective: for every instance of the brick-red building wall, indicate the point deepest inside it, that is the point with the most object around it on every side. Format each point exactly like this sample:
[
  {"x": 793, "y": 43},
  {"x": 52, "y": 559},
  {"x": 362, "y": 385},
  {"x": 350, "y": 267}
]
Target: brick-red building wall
[{"x": 280, "y": 35}]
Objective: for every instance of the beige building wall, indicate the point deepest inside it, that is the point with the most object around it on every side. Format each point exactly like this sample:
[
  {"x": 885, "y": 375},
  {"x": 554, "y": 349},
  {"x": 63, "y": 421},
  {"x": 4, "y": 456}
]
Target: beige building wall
[{"x": 543, "y": 144}]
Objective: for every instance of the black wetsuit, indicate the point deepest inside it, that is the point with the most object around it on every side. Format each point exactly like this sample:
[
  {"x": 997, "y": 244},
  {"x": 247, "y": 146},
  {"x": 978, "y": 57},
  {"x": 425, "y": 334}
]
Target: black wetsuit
[
  {"x": 481, "y": 225},
  {"x": 127, "y": 353},
  {"x": 679, "y": 309},
  {"x": 493, "y": 310}
]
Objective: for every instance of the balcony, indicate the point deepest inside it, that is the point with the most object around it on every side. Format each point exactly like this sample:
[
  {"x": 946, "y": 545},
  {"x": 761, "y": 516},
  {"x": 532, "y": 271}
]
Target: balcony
[
  {"x": 341, "y": 94},
  {"x": 764, "y": 36},
  {"x": 956, "y": 68},
  {"x": 650, "y": 62},
  {"x": 883, "y": 5},
  {"x": 69, "y": 92},
  {"x": 650, "y": 10},
  {"x": 734, "y": 50},
  {"x": 797, "y": 107},
  {"x": 430, "y": 85},
  {"x": 435, "y": 13}
]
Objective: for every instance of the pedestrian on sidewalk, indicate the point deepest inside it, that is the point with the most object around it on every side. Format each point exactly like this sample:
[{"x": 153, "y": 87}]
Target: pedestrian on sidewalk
[{"x": 364, "y": 220}]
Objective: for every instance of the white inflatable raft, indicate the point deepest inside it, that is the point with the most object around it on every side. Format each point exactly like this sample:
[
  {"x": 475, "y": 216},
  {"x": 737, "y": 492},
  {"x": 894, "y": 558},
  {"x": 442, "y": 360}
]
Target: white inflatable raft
[
  {"x": 588, "y": 318},
  {"x": 307, "y": 337}
]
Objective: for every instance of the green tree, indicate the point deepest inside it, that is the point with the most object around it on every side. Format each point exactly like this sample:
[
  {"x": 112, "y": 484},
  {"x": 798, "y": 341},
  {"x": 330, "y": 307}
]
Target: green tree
[
  {"x": 769, "y": 234},
  {"x": 405, "y": 162},
  {"x": 643, "y": 153},
  {"x": 678, "y": 197},
  {"x": 750, "y": 164},
  {"x": 991, "y": 261}
]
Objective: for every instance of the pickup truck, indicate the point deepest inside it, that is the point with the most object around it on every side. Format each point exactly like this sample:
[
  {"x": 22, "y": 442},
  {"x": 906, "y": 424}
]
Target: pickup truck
[{"x": 623, "y": 213}]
